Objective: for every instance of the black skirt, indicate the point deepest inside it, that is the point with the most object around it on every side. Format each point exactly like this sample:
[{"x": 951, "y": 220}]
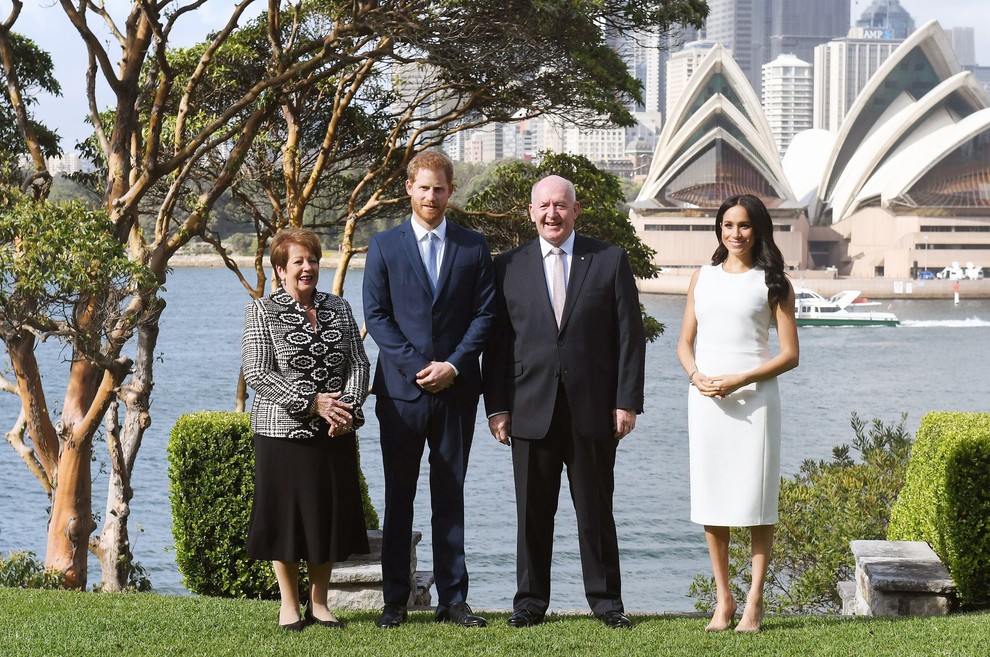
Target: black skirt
[{"x": 307, "y": 500}]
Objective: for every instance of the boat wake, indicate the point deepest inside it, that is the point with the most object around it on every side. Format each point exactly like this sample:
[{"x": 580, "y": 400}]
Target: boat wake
[{"x": 971, "y": 322}]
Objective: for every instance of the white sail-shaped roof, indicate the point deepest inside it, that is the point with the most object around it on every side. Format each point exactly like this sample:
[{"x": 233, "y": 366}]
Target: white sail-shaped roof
[
  {"x": 923, "y": 62},
  {"x": 945, "y": 105},
  {"x": 717, "y": 106}
]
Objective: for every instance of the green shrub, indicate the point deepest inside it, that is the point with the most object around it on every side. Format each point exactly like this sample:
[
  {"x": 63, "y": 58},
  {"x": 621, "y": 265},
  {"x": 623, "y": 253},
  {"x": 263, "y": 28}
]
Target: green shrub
[
  {"x": 21, "y": 569},
  {"x": 211, "y": 475},
  {"x": 823, "y": 507},
  {"x": 946, "y": 498}
]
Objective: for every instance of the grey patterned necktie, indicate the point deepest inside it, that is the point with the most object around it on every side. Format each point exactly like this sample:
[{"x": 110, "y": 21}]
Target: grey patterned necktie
[{"x": 558, "y": 283}]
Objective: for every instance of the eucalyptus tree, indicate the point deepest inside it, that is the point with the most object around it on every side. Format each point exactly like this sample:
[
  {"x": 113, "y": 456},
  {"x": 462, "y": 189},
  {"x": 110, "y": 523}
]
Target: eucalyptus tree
[{"x": 388, "y": 77}]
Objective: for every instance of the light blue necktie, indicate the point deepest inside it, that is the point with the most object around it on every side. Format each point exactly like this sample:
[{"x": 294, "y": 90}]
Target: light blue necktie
[{"x": 431, "y": 260}]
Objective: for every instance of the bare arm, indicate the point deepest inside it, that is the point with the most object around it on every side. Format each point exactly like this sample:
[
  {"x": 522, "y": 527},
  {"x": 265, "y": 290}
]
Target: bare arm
[{"x": 787, "y": 359}]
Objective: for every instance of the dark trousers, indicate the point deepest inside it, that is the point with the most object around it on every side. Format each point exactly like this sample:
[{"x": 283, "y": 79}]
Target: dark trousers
[
  {"x": 537, "y": 466},
  {"x": 406, "y": 428}
]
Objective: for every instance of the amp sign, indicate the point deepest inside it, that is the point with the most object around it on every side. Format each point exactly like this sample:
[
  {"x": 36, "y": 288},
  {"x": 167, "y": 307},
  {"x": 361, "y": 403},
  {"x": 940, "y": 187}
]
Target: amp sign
[{"x": 878, "y": 33}]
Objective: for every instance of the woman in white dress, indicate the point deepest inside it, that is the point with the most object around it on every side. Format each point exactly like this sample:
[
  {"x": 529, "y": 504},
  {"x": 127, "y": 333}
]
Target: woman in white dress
[{"x": 734, "y": 404}]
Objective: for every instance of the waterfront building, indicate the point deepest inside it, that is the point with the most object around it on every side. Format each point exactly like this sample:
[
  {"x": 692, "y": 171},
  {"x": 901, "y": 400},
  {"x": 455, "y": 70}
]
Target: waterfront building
[
  {"x": 715, "y": 143},
  {"x": 903, "y": 184}
]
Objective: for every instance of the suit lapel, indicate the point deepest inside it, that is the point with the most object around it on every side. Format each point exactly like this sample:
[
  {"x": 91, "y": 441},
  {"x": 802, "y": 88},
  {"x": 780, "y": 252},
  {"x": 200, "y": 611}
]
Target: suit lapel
[
  {"x": 415, "y": 257},
  {"x": 580, "y": 263},
  {"x": 450, "y": 247}
]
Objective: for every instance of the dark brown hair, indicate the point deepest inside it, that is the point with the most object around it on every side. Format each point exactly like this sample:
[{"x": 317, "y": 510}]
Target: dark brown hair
[{"x": 766, "y": 255}]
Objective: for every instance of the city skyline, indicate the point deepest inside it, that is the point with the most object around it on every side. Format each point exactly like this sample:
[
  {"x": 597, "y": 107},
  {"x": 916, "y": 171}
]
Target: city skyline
[{"x": 49, "y": 28}]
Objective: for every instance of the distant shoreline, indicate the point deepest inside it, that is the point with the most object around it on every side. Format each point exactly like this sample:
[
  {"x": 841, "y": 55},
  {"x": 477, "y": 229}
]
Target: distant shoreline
[
  {"x": 214, "y": 260},
  {"x": 677, "y": 282}
]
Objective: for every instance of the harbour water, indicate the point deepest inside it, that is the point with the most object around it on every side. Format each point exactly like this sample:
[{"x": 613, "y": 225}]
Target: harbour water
[{"x": 937, "y": 359}]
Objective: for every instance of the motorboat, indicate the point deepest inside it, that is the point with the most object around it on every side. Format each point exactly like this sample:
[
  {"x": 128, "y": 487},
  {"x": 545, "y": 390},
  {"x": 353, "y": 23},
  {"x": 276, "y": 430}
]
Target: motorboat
[{"x": 846, "y": 308}]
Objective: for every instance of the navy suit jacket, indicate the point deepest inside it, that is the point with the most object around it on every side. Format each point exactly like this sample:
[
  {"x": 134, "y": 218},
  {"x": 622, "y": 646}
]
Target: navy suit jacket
[
  {"x": 413, "y": 326},
  {"x": 599, "y": 351}
]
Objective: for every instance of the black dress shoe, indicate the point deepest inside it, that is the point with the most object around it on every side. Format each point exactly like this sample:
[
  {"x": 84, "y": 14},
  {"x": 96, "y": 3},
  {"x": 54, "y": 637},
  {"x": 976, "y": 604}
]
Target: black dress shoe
[
  {"x": 393, "y": 615},
  {"x": 310, "y": 618},
  {"x": 615, "y": 619},
  {"x": 525, "y": 618},
  {"x": 297, "y": 626},
  {"x": 460, "y": 613}
]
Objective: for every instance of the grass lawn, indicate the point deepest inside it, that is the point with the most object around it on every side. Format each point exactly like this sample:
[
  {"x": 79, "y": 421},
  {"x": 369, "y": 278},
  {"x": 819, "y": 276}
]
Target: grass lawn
[{"x": 71, "y": 624}]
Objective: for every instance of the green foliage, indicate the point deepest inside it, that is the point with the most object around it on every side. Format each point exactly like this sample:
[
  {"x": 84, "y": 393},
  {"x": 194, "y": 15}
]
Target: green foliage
[
  {"x": 946, "y": 498},
  {"x": 211, "y": 469},
  {"x": 822, "y": 508},
  {"x": 57, "y": 255},
  {"x": 500, "y": 210},
  {"x": 21, "y": 569},
  {"x": 211, "y": 480}
]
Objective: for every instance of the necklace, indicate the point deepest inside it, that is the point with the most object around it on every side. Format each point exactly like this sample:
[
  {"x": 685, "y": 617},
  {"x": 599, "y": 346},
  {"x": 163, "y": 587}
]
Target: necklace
[{"x": 306, "y": 309}]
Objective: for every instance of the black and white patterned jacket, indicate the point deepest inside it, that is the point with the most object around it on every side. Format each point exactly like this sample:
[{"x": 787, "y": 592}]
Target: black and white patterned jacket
[{"x": 287, "y": 363}]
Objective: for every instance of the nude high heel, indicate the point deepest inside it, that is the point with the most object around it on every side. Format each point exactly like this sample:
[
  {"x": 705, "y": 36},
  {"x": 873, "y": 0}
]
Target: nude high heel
[
  {"x": 715, "y": 626},
  {"x": 756, "y": 626}
]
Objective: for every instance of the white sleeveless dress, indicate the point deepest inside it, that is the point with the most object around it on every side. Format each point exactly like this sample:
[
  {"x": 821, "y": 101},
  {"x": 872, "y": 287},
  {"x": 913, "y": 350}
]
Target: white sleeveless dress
[{"x": 734, "y": 442}]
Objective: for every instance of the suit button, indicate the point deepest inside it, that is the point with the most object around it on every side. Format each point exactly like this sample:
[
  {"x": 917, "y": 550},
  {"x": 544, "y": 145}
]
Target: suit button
[{"x": 560, "y": 343}]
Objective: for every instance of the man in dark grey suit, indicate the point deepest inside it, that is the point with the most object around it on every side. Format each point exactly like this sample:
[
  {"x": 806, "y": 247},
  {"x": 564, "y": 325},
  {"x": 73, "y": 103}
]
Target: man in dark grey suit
[
  {"x": 563, "y": 377},
  {"x": 428, "y": 294}
]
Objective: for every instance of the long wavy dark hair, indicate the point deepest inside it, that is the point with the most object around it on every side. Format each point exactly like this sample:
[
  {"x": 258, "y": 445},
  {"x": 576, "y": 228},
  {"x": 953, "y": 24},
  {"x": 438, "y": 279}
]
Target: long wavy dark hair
[{"x": 766, "y": 255}]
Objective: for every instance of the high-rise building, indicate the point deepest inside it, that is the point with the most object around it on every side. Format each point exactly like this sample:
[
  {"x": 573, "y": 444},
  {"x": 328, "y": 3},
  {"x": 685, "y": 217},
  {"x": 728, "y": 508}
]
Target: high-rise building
[
  {"x": 741, "y": 26},
  {"x": 681, "y": 66},
  {"x": 842, "y": 69},
  {"x": 886, "y": 19},
  {"x": 787, "y": 98},
  {"x": 963, "y": 43},
  {"x": 757, "y": 31},
  {"x": 798, "y": 26}
]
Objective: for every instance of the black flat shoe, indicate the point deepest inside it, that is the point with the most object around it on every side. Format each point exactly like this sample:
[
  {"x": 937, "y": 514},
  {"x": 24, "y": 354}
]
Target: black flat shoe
[
  {"x": 297, "y": 626},
  {"x": 615, "y": 620},
  {"x": 524, "y": 618},
  {"x": 333, "y": 624},
  {"x": 461, "y": 614},
  {"x": 392, "y": 616}
]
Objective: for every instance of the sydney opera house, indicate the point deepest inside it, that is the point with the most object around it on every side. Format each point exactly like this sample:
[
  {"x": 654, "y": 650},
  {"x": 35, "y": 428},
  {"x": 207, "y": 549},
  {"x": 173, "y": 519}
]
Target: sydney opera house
[{"x": 903, "y": 186}]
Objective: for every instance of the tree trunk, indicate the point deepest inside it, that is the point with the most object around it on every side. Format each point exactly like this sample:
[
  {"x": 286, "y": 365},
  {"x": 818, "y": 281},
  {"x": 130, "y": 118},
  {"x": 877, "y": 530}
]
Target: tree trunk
[
  {"x": 71, "y": 522},
  {"x": 114, "y": 546}
]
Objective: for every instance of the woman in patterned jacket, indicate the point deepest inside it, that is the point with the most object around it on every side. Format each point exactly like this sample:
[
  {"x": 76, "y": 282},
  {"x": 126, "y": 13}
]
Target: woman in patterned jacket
[{"x": 302, "y": 354}]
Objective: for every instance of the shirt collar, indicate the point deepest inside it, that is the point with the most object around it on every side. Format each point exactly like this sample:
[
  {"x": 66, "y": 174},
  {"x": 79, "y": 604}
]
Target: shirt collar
[
  {"x": 567, "y": 247},
  {"x": 420, "y": 232}
]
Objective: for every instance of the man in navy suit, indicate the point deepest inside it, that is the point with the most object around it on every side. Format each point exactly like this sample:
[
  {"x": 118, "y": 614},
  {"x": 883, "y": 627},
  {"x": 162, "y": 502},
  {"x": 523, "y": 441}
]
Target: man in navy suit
[
  {"x": 428, "y": 295},
  {"x": 564, "y": 379}
]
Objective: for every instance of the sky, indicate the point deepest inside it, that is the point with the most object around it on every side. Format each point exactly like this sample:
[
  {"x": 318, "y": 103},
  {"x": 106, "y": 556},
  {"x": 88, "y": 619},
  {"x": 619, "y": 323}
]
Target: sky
[{"x": 45, "y": 23}]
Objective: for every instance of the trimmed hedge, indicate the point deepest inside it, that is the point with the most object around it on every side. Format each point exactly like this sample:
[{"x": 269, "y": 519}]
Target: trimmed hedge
[
  {"x": 946, "y": 498},
  {"x": 211, "y": 481}
]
